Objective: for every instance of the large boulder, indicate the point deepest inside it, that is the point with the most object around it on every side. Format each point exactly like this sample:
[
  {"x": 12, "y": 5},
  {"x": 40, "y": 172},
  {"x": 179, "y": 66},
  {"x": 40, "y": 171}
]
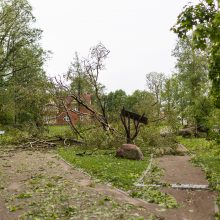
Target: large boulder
[{"x": 130, "y": 151}]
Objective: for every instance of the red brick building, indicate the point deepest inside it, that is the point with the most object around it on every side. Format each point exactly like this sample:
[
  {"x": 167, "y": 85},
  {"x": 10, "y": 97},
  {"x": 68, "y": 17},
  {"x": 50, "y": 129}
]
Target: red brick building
[{"x": 57, "y": 115}]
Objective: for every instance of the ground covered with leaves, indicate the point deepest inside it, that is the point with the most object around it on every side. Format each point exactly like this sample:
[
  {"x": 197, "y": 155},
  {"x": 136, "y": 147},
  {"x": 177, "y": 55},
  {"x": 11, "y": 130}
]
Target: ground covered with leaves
[{"x": 37, "y": 185}]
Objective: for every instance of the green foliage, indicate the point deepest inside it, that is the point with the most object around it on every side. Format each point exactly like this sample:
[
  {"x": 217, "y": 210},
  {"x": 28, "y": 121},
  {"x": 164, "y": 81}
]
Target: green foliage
[
  {"x": 139, "y": 102},
  {"x": 24, "y": 196},
  {"x": 22, "y": 79},
  {"x": 142, "y": 102},
  {"x": 154, "y": 196},
  {"x": 14, "y": 208},
  {"x": 214, "y": 125},
  {"x": 155, "y": 84},
  {"x": 114, "y": 103},
  {"x": 202, "y": 110},
  {"x": 151, "y": 141},
  {"x": 186, "y": 92},
  {"x": 203, "y": 19},
  {"x": 169, "y": 97},
  {"x": 13, "y": 136},
  {"x": 97, "y": 138}
]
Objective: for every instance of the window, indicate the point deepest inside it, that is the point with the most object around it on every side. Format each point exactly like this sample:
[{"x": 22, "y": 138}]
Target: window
[{"x": 66, "y": 118}]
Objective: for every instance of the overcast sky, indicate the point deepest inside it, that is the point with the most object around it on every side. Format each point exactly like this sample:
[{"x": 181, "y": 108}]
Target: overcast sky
[{"x": 136, "y": 32}]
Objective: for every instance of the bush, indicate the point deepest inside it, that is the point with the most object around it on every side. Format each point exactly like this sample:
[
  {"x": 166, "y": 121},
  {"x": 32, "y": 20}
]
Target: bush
[
  {"x": 98, "y": 138},
  {"x": 214, "y": 134},
  {"x": 151, "y": 141},
  {"x": 12, "y": 136},
  {"x": 58, "y": 130}
]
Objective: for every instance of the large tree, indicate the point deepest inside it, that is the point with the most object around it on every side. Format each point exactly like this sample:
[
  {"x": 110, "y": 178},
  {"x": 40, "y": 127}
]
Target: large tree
[
  {"x": 203, "y": 20},
  {"x": 22, "y": 78},
  {"x": 155, "y": 84},
  {"x": 186, "y": 93}
]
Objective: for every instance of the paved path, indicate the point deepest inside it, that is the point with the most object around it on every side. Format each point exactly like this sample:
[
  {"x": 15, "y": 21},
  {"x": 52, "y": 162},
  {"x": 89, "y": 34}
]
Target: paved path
[{"x": 195, "y": 204}]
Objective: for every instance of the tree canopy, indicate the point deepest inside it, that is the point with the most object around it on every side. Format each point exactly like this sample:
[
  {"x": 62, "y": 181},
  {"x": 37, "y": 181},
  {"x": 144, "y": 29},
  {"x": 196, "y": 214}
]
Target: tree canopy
[
  {"x": 203, "y": 20},
  {"x": 22, "y": 78}
]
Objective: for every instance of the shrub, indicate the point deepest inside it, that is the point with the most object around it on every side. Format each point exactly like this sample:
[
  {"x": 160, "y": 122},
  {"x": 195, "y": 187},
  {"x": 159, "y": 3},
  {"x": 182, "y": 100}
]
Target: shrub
[
  {"x": 101, "y": 139},
  {"x": 151, "y": 141},
  {"x": 12, "y": 136}
]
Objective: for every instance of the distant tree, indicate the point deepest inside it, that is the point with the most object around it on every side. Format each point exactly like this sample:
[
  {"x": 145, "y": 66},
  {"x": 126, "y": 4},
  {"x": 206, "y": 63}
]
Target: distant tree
[
  {"x": 142, "y": 102},
  {"x": 115, "y": 102},
  {"x": 80, "y": 83},
  {"x": 155, "y": 84},
  {"x": 192, "y": 68},
  {"x": 203, "y": 20},
  {"x": 139, "y": 102},
  {"x": 172, "y": 102}
]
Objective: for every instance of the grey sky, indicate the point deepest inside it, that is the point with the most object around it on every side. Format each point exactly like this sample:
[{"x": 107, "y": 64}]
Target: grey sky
[{"x": 136, "y": 32}]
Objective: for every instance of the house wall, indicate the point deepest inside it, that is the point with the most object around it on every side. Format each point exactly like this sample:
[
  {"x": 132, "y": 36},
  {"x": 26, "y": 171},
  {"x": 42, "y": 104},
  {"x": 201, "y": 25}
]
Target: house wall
[
  {"x": 62, "y": 121},
  {"x": 58, "y": 116}
]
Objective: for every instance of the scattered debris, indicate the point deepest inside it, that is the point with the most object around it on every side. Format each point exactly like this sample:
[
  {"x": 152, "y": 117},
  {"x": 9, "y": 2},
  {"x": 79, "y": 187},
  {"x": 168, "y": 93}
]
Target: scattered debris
[
  {"x": 2, "y": 132},
  {"x": 34, "y": 143},
  {"x": 177, "y": 186}
]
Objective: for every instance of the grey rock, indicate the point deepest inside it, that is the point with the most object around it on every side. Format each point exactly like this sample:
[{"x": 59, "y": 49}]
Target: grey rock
[{"x": 130, "y": 151}]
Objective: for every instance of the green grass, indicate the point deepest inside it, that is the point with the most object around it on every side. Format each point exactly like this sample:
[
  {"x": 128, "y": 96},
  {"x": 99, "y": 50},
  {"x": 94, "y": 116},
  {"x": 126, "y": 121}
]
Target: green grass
[
  {"x": 121, "y": 173},
  {"x": 58, "y": 130},
  {"x": 195, "y": 145}
]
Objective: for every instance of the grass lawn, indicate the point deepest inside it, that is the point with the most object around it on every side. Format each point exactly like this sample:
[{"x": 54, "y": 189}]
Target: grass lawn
[
  {"x": 58, "y": 130},
  {"x": 121, "y": 173}
]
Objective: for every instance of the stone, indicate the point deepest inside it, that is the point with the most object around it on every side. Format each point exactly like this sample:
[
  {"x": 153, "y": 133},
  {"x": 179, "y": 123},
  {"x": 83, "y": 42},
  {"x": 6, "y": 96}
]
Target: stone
[
  {"x": 130, "y": 151},
  {"x": 181, "y": 149},
  {"x": 186, "y": 132}
]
